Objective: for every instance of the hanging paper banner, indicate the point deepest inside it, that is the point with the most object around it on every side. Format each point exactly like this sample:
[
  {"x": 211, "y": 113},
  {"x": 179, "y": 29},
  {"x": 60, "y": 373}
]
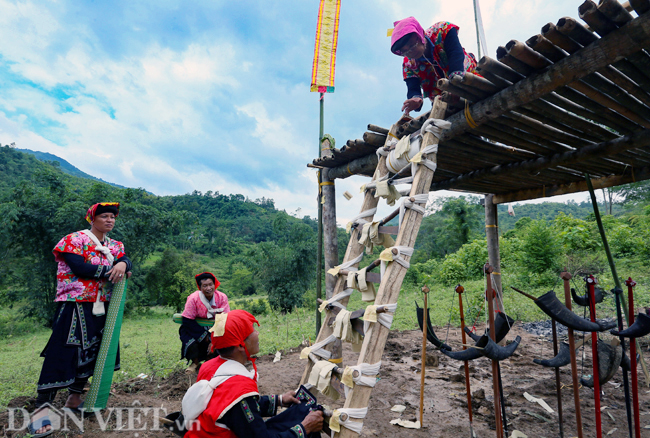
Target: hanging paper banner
[{"x": 327, "y": 33}]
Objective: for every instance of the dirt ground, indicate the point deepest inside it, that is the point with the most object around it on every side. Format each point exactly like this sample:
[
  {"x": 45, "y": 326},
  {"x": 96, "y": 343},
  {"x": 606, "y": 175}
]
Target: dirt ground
[{"x": 134, "y": 404}]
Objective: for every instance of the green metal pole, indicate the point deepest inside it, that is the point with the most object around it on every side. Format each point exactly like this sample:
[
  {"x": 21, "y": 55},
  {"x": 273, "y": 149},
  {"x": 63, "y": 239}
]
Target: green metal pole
[
  {"x": 612, "y": 266},
  {"x": 319, "y": 256},
  {"x": 601, "y": 229}
]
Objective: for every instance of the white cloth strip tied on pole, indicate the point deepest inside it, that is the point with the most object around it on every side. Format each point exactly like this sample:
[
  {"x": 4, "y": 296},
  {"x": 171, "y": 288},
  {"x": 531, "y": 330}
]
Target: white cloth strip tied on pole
[
  {"x": 321, "y": 377},
  {"x": 335, "y": 300},
  {"x": 337, "y": 420},
  {"x": 344, "y": 331},
  {"x": 357, "y": 280},
  {"x": 367, "y": 375},
  {"x": 387, "y": 256},
  {"x": 347, "y": 265},
  {"x": 435, "y": 127},
  {"x": 317, "y": 348},
  {"x": 407, "y": 203},
  {"x": 358, "y": 220},
  {"x": 371, "y": 316},
  {"x": 368, "y": 291},
  {"x": 372, "y": 184}
]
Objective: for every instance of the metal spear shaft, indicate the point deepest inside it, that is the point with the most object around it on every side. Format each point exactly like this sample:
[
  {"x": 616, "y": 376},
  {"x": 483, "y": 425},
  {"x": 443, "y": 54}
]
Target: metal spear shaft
[
  {"x": 635, "y": 381},
  {"x": 591, "y": 285}
]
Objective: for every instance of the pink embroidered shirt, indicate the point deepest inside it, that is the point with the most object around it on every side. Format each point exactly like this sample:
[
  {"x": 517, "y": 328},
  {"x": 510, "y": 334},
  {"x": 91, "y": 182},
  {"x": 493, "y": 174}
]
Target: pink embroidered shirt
[
  {"x": 194, "y": 307},
  {"x": 72, "y": 288}
]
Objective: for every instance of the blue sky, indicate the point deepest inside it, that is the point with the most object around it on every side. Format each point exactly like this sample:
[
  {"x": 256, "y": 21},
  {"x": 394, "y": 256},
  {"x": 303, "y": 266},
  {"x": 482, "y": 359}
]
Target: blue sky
[{"x": 179, "y": 96}]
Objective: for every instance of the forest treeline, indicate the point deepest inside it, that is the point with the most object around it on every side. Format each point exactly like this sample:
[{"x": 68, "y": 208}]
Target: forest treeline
[{"x": 261, "y": 250}]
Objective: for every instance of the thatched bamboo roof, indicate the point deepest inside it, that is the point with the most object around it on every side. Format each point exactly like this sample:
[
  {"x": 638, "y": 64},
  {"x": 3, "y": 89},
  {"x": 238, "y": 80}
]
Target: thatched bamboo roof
[{"x": 569, "y": 101}]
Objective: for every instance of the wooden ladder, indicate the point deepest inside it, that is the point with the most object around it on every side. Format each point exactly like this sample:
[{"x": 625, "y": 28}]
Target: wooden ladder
[{"x": 375, "y": 338}]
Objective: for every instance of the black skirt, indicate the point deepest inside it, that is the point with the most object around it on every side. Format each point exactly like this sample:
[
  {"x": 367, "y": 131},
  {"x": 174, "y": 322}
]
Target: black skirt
[
  {"x": 73, "y": 347},
  {"x": 195, "y": 340}
]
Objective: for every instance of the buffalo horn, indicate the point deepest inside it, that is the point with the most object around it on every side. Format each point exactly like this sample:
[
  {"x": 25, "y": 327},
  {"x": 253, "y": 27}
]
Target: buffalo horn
[
  {"x": 493, "y": 351},
  {"x": 559, "y": 312},
  {"x": 583, "y": 300},
  {"x": 563, "y": 358},
  {"x": 469, "y": 354},
  {"x": 503, "y": 324},
  {"x": 431, "y": 335},
  {"x": 640, "y": 327}
]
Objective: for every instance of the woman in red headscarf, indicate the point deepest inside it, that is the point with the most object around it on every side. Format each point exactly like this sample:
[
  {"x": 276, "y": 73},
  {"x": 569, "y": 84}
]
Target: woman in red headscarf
[
  {"x": 88, "y": 262},
  {"x": 429, "y": 55},
  {"x": 203, "y": 303},
  {"x": 225, "y": 401}
]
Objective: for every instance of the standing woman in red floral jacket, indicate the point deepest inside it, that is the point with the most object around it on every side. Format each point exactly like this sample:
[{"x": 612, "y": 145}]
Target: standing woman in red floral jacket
[{"x": 88, "y": 262}]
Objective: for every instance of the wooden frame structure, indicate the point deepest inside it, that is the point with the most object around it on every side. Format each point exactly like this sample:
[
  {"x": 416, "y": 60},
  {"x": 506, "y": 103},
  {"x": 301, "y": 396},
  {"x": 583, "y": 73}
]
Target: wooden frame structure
[{"x": 570, "y": 101}]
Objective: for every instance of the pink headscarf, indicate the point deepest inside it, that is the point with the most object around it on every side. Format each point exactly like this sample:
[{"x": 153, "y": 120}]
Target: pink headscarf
[{"x": 405, "y": 27}]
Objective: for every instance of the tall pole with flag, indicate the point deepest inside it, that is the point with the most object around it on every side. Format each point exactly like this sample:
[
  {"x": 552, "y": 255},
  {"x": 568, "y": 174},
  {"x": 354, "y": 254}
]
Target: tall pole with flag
[{"x": 322, "y": 81}]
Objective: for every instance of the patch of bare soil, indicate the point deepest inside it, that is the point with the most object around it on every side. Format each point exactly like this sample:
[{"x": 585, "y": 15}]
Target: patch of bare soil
[{"x": 134, "y": 404}]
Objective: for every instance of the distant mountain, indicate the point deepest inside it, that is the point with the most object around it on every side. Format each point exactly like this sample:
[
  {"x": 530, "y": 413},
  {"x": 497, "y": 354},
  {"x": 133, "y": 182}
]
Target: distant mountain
[{"x": 65, "y": 166}]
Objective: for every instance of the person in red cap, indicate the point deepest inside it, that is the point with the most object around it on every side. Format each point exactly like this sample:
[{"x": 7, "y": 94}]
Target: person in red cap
[
  {"x": 429, "y": 55},
  {"x": 87, "y": 262},
  {"x": 225, "y": 401},
  {"x": 203, "y": 303}
]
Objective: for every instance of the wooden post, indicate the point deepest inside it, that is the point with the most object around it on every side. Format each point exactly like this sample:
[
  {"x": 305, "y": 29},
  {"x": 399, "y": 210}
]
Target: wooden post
[
  {"x": 330, "y": 242},
  {"x": 572, "y": 349},
  {"x": 492, "y": 237},
  {"x": 375, "y": 340},
  {"x": 489, "y": 296}
]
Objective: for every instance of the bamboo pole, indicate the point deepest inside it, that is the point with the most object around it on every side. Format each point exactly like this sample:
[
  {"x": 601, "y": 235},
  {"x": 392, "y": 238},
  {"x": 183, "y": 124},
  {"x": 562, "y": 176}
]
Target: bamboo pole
[
  {"x": 621, "y": 43},
  {"x": 499, "y": 69},
  {"x": 492, "y": 237},
  {"x": 472, "y": 87},
  {"x": 589, "y": 13},
  {"x": 566, "y": 277},
  {"x": 613, "y": 10},
  {"x": 446, "y": 85},
  {"x": 375, "y": 340},
  {"x": 374, "y": 139},
  {"x": 359, "y": 166},
  {"x": 377, "y": 129},
  {"x": 495, "y": 372},
  {"x": 506, "y": 58}
]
